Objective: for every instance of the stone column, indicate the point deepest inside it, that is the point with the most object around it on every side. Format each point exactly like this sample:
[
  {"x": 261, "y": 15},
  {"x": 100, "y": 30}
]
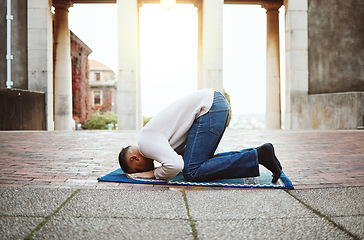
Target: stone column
[
  {"x": 296, "y": 58},
  {"x": 62, "y": 68},
  {"x": 198, "y": 5},
  {"x": 273, "y": 92},
  {"x": 210, "y": 45},
  {"x": 128, "y": 94},
  {"x": 40, "y": 53}
]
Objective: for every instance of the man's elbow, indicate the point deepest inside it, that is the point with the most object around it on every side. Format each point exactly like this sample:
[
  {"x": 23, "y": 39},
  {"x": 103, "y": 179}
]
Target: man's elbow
[
  {"x": 179, "y": 167},
  {"x": 173, "y": 170}
]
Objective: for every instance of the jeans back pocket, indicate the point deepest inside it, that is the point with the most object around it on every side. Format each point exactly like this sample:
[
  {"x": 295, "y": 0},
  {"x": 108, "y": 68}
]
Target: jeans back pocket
[{"x": 218, "y": 120}]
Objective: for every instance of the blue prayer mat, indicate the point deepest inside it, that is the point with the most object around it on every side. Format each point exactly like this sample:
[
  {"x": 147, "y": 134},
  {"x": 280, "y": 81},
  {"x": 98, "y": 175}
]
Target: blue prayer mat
[{"x": 263, "y": 181}]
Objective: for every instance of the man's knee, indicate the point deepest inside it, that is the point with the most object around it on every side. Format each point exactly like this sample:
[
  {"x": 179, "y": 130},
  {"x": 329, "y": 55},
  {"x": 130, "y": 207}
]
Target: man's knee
[{"x": 191, "y": 177}]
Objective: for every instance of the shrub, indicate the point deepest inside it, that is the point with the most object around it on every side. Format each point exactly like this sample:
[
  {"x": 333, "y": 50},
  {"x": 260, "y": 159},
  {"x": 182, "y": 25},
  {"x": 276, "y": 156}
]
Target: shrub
[{"x": 98, "y": 121}]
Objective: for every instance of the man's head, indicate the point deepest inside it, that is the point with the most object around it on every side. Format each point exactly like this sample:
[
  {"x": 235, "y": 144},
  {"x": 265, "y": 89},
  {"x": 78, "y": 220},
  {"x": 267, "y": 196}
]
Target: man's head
[{"x": 131, "y": 161}]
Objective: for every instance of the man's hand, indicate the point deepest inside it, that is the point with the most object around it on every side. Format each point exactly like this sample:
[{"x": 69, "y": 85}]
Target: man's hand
[{"x": 149, "y": 174}]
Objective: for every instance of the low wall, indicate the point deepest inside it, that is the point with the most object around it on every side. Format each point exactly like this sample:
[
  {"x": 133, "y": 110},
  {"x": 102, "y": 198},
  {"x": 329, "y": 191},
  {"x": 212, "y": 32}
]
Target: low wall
[
  {"x": 22, "y": 110},
  {"x": 328, "y": 111}
]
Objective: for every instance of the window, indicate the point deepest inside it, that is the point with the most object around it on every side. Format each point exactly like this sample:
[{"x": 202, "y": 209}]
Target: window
[
  {"x": 97, "y": 97},
  {"x": 97, "y": 76}
]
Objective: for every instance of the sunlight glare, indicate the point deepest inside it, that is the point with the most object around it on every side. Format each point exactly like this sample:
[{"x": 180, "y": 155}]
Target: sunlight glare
[
  {"x": 245, "y": 57},
  {"x": 168, "y": 45},
  {"x": 168, "y": 4}
]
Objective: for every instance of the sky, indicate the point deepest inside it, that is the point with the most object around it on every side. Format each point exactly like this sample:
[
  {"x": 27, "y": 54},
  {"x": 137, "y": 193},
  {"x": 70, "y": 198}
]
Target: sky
[{"x": 169, "y": 51}]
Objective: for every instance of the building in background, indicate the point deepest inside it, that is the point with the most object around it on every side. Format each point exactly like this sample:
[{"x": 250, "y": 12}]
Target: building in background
[
  {"x": 103, "y": 86},
  {"x": 80, "y": 79},
  {"x": 324, "y": 63}
]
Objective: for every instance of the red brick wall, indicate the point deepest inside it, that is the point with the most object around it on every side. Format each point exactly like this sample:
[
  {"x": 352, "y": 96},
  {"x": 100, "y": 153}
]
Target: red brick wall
[{"x": 80, "y": 80}]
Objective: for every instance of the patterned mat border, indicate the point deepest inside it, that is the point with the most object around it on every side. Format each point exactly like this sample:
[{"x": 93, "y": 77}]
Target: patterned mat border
[{"x": 283, "y": 182}]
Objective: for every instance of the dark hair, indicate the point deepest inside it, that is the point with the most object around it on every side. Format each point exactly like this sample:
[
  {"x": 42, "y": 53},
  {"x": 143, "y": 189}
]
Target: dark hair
[{"x": 122, "y": 159}]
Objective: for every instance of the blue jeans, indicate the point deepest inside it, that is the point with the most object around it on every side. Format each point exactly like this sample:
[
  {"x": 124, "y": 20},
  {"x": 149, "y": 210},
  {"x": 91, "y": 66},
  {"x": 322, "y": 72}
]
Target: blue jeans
[{"x": 200, "y": 163}]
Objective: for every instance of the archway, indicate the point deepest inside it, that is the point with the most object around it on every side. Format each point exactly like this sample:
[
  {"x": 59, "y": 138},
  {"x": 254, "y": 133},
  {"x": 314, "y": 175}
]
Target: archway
[{"x": 210, "y": 56}]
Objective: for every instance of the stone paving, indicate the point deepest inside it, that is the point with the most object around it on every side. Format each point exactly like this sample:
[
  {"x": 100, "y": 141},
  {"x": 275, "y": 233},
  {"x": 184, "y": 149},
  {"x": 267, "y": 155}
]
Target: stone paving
[
  {"x": 67, "y": 213},
  {"x": 49, "y": 190},
  {"x": 311, "y": 159}
]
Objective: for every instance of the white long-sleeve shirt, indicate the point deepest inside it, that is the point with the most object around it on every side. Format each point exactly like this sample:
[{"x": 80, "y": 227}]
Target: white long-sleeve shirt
[{"x": 164, "y": 137}]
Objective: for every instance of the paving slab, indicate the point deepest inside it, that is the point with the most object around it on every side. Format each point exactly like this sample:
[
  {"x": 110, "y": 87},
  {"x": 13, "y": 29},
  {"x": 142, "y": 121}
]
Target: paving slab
[
  {"x": 31, "y": 202},
  {"x": 353, "y": 224},
  {"x": 244, "y": 204},
  {"x": 334, "y": 201},
  {"x": 17, "y": 227},
  {"x": 114, "y": 228},
  {"x": 264, "y": 228},
  {"x": 126, "y": 204}
]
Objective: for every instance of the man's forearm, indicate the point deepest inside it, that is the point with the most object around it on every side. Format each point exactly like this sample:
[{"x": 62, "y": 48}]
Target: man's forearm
[{"x": 149, "y": 174}]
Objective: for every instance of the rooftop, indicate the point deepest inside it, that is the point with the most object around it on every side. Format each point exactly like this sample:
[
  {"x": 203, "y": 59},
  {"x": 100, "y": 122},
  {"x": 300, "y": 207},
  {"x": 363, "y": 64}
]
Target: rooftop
[{"x": 93, "y": 64}]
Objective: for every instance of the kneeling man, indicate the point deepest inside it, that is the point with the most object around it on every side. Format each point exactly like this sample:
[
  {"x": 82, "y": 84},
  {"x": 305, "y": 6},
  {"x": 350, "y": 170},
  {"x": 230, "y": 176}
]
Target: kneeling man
[{"x": 184, "y": 137}]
